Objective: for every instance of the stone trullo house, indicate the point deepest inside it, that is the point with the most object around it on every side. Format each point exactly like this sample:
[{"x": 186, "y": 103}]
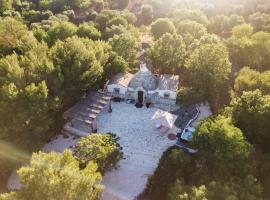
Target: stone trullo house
[{"x": 145, "y": 87}]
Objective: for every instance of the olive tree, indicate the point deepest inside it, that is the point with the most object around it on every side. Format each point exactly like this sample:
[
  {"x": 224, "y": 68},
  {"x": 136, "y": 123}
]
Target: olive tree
[{"x": 168, "y": 53}]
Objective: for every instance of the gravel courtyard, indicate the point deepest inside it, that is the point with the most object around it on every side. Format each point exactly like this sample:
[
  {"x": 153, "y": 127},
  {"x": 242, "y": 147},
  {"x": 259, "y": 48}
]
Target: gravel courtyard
[{"x": 142, "y": 144}]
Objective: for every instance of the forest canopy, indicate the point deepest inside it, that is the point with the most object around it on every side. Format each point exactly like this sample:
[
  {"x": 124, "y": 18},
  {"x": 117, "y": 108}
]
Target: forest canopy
[{"x": 52, "y": 52}]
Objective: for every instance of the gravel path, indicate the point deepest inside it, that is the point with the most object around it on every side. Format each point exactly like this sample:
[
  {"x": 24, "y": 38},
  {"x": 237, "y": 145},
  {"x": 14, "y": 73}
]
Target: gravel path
[{"x": 143, "y": 146}]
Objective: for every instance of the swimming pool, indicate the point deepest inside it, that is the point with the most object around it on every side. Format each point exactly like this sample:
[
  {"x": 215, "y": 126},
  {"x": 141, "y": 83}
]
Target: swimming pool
[{"x": 187, "y": 133}]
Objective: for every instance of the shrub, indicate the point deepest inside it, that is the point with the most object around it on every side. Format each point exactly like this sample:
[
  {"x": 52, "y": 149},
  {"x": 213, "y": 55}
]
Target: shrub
[{"x": 100, "y": 148}]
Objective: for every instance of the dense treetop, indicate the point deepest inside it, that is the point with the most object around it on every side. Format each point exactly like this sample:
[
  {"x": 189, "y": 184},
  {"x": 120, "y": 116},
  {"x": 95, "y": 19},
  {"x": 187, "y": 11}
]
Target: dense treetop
[
  {"x": 168, "y": 53},
  {"x": 251, "y": 113},
  {"x": 53, "y": 51},
  {"x": 103, "y": 149},
  {"x": 162, "y": 26},
  {"x": 190, "y": 30},
  {"x": 250, "y": 80},
  {"x": 55, "y": 176}
]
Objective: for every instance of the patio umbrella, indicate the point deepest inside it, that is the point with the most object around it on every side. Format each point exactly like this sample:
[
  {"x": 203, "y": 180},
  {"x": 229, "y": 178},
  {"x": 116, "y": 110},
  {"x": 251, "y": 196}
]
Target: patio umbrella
[{"x": 164, "y": 118}]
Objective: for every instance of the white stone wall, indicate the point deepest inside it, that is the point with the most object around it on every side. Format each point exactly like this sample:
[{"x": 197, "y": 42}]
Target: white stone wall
[
  {"x": 111, "y": 88},
  {"x": 173, "y": 94},
  {"x": 161, "y": 100},
  {"x": 156, "y": 96}
]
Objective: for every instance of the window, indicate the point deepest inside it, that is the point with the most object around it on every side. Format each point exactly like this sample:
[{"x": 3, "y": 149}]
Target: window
[
  {"x": 117, "y": 90},
  {"x": 166, "y": 95}
]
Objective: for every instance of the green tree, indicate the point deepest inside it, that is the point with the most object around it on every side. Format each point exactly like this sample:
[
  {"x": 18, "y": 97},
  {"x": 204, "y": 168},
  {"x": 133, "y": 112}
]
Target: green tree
[
  {"x": 126, "y": 46},
  {"x": 119, "y": 4},
  {"x": 219, "y": 24},
  {"x": 261, "y": 21},
  {"x": 261, "y": 51},
  {"x": 115, "y": 65},
  {"x": 105, "y": 16},
  {"x": 40, "y": 34},
  {"x": 112, "y": 31},
  {"x": 88, "y": 30},
  {"x": 168, "y": 53},
  {"x": 209, "y": 39},
  {"x": 54, "y": 5},
  {"x": 264, "y": 8},
  {"x": 5, "y": 5},
  {"x": 32, "y": 16},
  {"x": 102, "y": 149},
  {"x": 188, "y": 96},
  {"x": 69, "y": 13},
  {"x": 240, "y": 45},
  {"x": 129, "y": 16},
  {"x": 56, "y": 176},
  {"x": 176, "y": 160},
  {"x": 205, "y": 39},
  {"x": 147, "y": 14},
  {"x": 179, "y": 191},
  {"x": 79, "y": 63},
  {"x": 190, "y": 30},
  {"x": 91, "y": 15},
  {"x": 101, "y": 21},
  {"x": 190, "y": 14},
  {"x": 243, "y": 30},
  {"x": 61, "y": 31},
  {"x": 223, "y": 149},
  {"x": 235, "y": 20},
  {"x": 117, "y": 20},
  {"x": 251, "y": 113},
  {"x": 78, "y": 4},
  {"x": 248, "y": 49},
  {"x": 250, "y": 80},
  {"x": 162, "y": 26},
  {"x": 222, "y": 24},
  {"x": 209, "y": 64},
  {"x": 11, "y": 32},
  {"x": 26, "y": 101},
  {"x": 61, "y": 5},
  {"x": 247, "y": 189}
]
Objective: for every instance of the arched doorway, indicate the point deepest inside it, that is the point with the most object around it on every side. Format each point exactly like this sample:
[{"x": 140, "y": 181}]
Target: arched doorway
[{"x": 140, "y": 96}]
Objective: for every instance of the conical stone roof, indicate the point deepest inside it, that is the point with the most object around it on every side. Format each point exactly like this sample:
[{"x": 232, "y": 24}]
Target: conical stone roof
[{"x": 144, "y": 78}]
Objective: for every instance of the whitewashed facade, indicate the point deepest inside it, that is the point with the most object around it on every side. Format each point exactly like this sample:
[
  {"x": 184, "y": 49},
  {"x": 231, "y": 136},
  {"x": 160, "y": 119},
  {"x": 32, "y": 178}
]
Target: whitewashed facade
[
  {"x": 117, "y": 89},
  {"x": 152, "y": 88}
]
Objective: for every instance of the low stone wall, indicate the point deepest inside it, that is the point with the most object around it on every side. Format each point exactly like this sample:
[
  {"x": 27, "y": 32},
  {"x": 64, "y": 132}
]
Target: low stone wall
[{"x": 162, "y": 100}]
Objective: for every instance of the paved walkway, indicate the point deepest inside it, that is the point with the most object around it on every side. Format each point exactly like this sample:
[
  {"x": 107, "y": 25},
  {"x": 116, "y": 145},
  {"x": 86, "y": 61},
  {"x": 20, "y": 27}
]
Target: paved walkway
[{"x": 143, "y": 146}]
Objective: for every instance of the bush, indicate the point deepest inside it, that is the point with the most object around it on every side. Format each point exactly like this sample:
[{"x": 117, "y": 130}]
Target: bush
[
  {"x": 115, "y": 65},
  {"x": 174, "y": 161},
  {"x": 188, "y": 96},
  {"x": 61, "y": 31},
  {"x": 88, "y": 30},
  {"x": 117, "y": 21},
  {"x": 147, "y": 14},
  {"x": 103, "y": 149},
  {"x": 112, "y": 31},
  {"x": 57, "y": 176},
  {"x": 162, "y": 26}
]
